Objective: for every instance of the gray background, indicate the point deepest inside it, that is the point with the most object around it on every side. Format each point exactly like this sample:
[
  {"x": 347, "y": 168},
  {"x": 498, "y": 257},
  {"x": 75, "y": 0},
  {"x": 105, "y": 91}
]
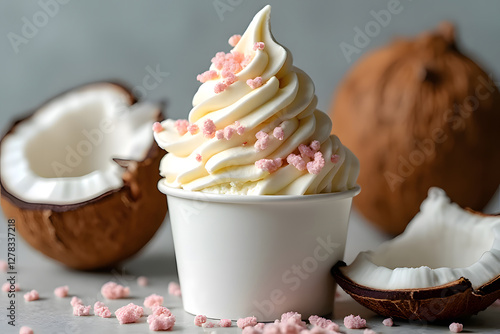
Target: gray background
[{"x": 94, "y": 40}]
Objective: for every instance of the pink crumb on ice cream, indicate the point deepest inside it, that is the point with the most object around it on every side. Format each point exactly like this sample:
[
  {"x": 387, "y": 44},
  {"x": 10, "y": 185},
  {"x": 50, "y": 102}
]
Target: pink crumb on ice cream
[
  {"x": 225, "y": 323},
  {"x": 157, "y": 127},
  {"x": 259, "y": 46},
  {"x": 193, "y": 129},
  {"x": 388, "y": 322},
  {"x": 229, "y": 131},
  {"x": 112, "y": 290},
  {"x": 7, "y": 287},
  {"x": 278, "y": 133},
  {"x": 220, "y": 87},
  {"x": 335, "y": 158},
  {"x": 181, "y": 125},
  {"x": 229, "y": 78},
  {"x": 354, "y": 322},
  {"x": 61, "y": 291},
  {"x": 240, "y": 129},
  {"x": 208, "y": 128},
  {"x": 80, "y": 310},
  {"x": 233, "y": 40},
  {"x": 200, "y": 320},
  {"x": 255, "y": 83},
  {"x": 31, "y": 296},
  {"x": 153, "y": 301},
  {"x": 207, "y": 76},
  {"x": 102, "y": 310},
  {"x": 297, "y": 161},
  {"x": 198, "y": 157},
  {"x": 315, "y": 166},
  {"x": 25, "y": 330},
  {"x": 306, "y": 151},
  {"x": 142, "y": 281},
  {"x": 269, "y": 165},
  {"x": 219, "y": 134},
  {"x": 245, "y": 322},
  {"x": 129, "y": 313},
  {"x": 262, "y": 141},
  {"x": 174, "y": 289},
  {"x": 455, "y": 327}
]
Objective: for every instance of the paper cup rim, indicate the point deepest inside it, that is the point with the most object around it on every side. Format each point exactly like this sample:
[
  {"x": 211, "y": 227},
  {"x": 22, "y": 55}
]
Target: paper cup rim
[{"x": 228, "y": 198}]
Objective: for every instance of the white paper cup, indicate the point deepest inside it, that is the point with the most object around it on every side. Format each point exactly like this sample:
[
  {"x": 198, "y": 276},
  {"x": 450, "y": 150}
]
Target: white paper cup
[{"x": 240, "y": 256}]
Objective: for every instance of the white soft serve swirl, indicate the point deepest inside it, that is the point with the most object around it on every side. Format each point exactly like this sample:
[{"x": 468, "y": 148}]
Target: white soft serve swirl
[{"x": 285, "y": 99}]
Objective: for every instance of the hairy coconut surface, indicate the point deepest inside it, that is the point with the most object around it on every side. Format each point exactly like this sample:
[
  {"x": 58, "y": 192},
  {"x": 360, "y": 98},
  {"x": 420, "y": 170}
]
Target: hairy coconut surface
[
  {"x": 103, "y": 230},
  {"x": 418, "y": 113},
  {"x": 446, "y": 302}
]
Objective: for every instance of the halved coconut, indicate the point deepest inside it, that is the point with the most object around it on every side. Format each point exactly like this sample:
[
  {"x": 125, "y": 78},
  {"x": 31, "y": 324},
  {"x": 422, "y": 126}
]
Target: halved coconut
[
  {"x": 445, "y": 265},
  {"x": 79, "y": 176}
]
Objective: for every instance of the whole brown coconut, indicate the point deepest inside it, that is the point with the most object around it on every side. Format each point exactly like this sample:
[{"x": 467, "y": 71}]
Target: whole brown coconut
[
  {"x": 418, "y": 113},
  {"x": 107, "y": 228}
]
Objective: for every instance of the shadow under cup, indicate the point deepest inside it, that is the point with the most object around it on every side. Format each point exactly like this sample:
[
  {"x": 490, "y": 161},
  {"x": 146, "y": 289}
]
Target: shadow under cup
[{"x": 240, "y": 256}]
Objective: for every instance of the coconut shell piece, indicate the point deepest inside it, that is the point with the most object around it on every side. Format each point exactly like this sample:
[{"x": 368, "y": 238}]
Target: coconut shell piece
[
  {"x": 446, "y": 302},
  {"x": 99, "y": 232},
  {"x": 418, "y": 113}
]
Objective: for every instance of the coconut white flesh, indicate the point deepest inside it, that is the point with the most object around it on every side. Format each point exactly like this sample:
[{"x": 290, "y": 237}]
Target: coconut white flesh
[
  {"x": 63, "y": 154},
  {"x": 441, "y": 244}
]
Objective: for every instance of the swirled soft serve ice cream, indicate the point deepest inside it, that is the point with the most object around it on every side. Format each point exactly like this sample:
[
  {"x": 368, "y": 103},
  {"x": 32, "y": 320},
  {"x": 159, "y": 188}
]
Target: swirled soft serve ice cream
[{"x": 254, "y": 128}]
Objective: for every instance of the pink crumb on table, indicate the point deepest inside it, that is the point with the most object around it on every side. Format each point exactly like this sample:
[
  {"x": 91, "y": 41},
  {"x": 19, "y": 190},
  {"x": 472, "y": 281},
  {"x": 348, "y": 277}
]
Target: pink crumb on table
[
  {"x": 102, "y": 310},
  {"x": 369, "y": 331},
  {"x": 388, "y": 322},
  {"x": 209, "y": 324},
  {"x": 153, "y": 301},
  {"x": 315, "y": 166},
  {"x": 260, "y": 326},
  {"x": 7, "y": 287},
  {"x": 455, "y": 327},
  {"x": 181, "y": 125},
  {"x": 129, "y": 313},
  {"x": 200, "y": 320},
  {"x": 31, "y": 296},
  {"x": 233, "y": 40},
  {"x": 61, "y": 291},
  {"x": 354, "y": 322},
  {"x": 225, "y": 323},
  {"x": 161, "y": 322},
  {"x": 293, "y": 319},
  {"x": 207, "y": 76},
  {"x": 25, "y": 330},
  {"x": 142, "y": 281},
  {"x": 4, "y": 266},
  {"x": 157, "y": 127},
  {"x": 193, "y": 129},
  {"x": 80, "y": 310},
  {"x": 75, "y": 301},
  {"x": 278, "y": 133},
  {"x": 245, "y": 322},
  {"x": 112, "y": 290},
  {"x": 174, "y": 289},
  {"x": 269, "y": 165},
  {"x": 323, "y": 323},
  {"x": 255, "y": 83},
  {"x": 208, "y": 128},
  {"x": 335, "y": 158},
  {"x": 259, "y": 46}
]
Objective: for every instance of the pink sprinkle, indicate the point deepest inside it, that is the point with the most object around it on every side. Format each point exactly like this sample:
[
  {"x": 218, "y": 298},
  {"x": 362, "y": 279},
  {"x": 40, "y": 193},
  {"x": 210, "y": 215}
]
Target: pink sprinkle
[
  {"x": 25, "y": 330},
  {"x": 335, "y": 158},
  {"x": 323, "y": 323},
  {"x": 181, "y": 125},
  {"x": 262, "y": 141},
  {"x": 369, "y": 331},
  {"x": 229, "y": 132},
  {"x": 315, "y": 145},
  {"x": 233, "y": 40},
  {"x": 101, "y": 310},
  {"x": 4, "y": 266},
  {"x": 238, "y": 56},
  {"x": 240, "y": 129},
  {"x": 157, "y": 127},
  {"x": 75, "y": 301},
  {"x": 219, "y": 87},
  {"x": 61, "y": 291},
  {"x": 231, "y": 66},
  {"x": 293, "y": 318},
  {"x": 455, "y": 327},
  {"x": 161, "y": 310},
  {"x": 306, "y": 151},
  {"x": 161, "y": 323},
  {"x": 7, "y": 287},
  {"x": 269, "y": 165},
  {"x": 260, "y": 326},
  {"x": 253, "y": 330},
  {"x": 207, "y": 76},
  {"x": 225, "y": 323},
  {"x": 255, "y": 83},
  {"x": 244, "y": 322},
  {"x": 174, "y": 289},
  {"x": 193, "y": 129},
  {"x": 209, "y": 324},
  {"x": 259, "y": 46},
  {"x": 219, "y": 134},
  {"x": 153, "y": 301},
  {"x": 247, "y": 60},
  {"x": 388, "y": 322},
  {"x": 272, "y": 329},
  {"x": 354, "y": 322},
  {"x": 198, "y": 157},
  {"x": 278, "y": 133},
  {"x": 315, "y": 166},
  {"x": 142, "y": 281},
  {"x": 81, "y": 310},
  {"x": 111, "y": 290},
  {"x": 230, "y": 78},
  {"x": 296, "y": 161},
  {"x": 31, "y": 296},
  {"x": 129, "y": 313},
  {"x": 200, "y": 320},
  {"x": 218, "y": 60},
  {"x": 208, "y": 128}
]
